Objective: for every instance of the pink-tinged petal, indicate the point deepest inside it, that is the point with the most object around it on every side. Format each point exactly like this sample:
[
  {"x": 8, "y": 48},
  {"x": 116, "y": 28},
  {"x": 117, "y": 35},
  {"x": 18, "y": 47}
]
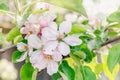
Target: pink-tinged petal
[
  {"x": 52, "y": 67},
  {"x": 34, "y": 41},
  {"x": 65, "y": 27},
  {"x": 21, "y": 46},
  {"x": 72, "y": 40},
  {"x": 49, "y": 34},
  {"x": 50, "y": 46},
  {"x": 57, "y": 56},
  {"x": 38, "y": 61},
  {"x": 30, "y": 51},
  {"x": 22, "y": 58},
  {"x": 63, "y": 48}
]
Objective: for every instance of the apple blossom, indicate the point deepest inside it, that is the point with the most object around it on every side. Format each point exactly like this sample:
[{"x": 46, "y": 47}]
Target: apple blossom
[
  {"x": 46, "y": 19},
  {"x": 59, "y": 38},
  {"x": 41, "y": 60},
  {"x": 22, "y": 47},
  {"x": 28, "y": 29}
]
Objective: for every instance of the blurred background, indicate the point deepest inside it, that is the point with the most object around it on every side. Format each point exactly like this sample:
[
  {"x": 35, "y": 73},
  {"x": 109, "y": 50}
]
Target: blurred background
[{"x": 9, "y": 71}]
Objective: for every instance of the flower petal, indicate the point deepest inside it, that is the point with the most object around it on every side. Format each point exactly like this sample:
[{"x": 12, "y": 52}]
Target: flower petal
[
  {"x": 50, "y": 46},
  {"x": 53, "y": 25},
  {"x": 49, "y": 34},
  {"x": 57, "y": 56},
  {"x": 21, "y": 46},
  {"x": 38, "y": 61},
  {"x": 65, "y": 27},
  {"x": 22, "y": 58},
  {"x": 63, "y": 48},
  {"x": 73, "y": 40},
  {"x": 34, "y": 41},
  {"x": 52, "y": 67}
]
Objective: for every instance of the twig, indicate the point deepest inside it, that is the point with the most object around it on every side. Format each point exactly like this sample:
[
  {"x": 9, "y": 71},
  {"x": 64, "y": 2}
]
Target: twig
[
  {"x": 6, "y": 49},
  {"x": 111, "y": 41}
]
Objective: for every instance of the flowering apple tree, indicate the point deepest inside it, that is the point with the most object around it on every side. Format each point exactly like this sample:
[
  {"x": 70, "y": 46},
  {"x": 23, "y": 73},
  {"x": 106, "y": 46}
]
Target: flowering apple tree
[{"x": 66, "y": 45}]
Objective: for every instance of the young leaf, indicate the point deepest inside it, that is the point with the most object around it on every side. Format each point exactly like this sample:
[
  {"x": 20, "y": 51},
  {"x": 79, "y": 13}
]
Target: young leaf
[
  {"x": 77, "y": 29},
  {"x": 113, "y": 56},
  {"x": 114, "y": 17},
  {"x": 56, "y": 76},
  {"x": 4, "y": 7},
  {"x": 78, "y": 75},
  {"x": 16, "y": 55},
  {"x": 67, "y": 70},
  {"x": 75, "y": 5},
  {"x": 26, "y": 72},
  {"x": 13, "y": 33},
  {"x": 88, "y": 73}
]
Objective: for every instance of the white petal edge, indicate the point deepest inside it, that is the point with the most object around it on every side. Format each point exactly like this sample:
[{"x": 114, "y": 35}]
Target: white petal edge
[
  {"x": 65, "y": 27},
  {"x": 50, "y": 46},
  {"x": 72, "y": 40},
  {"x": 52, "y": 67},
  {"x": 34, "y": 41},
  {"x": 63, "y": 48}
]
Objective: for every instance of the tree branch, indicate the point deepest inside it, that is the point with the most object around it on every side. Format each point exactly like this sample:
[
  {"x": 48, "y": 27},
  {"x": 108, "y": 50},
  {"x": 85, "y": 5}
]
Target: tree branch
[
  {"x": 6, "y": 49},
  {"x": 111, "y": 41}
]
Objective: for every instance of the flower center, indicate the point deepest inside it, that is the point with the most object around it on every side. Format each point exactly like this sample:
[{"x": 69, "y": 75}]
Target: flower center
[
  {"x": 48, "y": 57},
  {"x": 60, "y": 37}
]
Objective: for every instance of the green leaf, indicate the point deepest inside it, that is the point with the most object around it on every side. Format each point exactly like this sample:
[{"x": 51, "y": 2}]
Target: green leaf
[
  {"x": 34, "y": 75},
  {"x": 77, "y": 29},
  {"x": 114, "y": 17},
  {"x": 39, "y": 11},
  {"x": 78, "y": 74},
  {"x": 67, "y": 70},
  {"x": 88, "y": 74},
  {"x": 26, "y": 72},
  {"x": 16, "y": 55},
  {"x": 75, "y": 5},
  {"x": 89, "y": 54},
  {"x": 18, "y": 39},
  {"x": 3, "y": 6},
  {"x": 13, "y": 33},
  {"x": 80, "y": 54},
  {"x": 56, "y": 76},
  {"x": 113, "y": 56}
]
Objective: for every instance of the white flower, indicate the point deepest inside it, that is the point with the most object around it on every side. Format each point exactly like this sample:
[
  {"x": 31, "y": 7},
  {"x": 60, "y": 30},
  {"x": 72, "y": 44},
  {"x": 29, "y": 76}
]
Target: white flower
[
  {"x": 28, "y": 29},
  {"x": 58, "y": 39},
  {"x": 42, "y": 60},
  {"x": 24, "y": 48},
  {"x": 46, "y": 19}
]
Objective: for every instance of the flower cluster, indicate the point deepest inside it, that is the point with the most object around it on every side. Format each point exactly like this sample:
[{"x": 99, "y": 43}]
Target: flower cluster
[{"x": 47, "y": 43}]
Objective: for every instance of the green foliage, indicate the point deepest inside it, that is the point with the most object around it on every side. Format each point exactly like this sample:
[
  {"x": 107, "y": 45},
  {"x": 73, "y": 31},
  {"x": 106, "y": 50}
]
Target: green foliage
[
  {"x": 80, "y": 54},
  {"x": 114, "y": 17},
  {"x": 16, "y": 55},
  {"x": 18, "y": 39},
  {"x": 26, "y": 72},
  {"x": 56, "y": 76},
  {"x": 113, "y": 57},
  {"x": 67, "y": 70},
  {"x": 88, "y": 74},
  {"x": 77, "y": 29},
  {"x": 13, "y": 33},
  {"x": 75, "y": 5},
  {"x": 3, "y": 6},
  {"x": 89, "y": 54}
]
